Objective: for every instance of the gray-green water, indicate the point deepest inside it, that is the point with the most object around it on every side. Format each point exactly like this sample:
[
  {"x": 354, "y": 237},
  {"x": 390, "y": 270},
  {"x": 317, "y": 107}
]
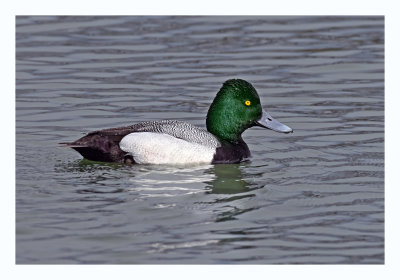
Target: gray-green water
[{"x": 315, "y": 196}]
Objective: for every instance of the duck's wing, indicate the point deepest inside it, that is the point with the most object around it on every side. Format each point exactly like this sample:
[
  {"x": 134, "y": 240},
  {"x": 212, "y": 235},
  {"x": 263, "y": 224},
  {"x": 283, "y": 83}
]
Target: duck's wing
[
  {"x": 169, "y": 142},
  {"x": 104, "y": 145},
  {"x": 180, "y": 130}
]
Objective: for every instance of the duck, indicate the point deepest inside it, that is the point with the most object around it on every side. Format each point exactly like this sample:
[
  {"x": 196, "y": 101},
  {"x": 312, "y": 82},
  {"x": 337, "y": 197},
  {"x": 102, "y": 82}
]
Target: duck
[{"x": 235, "y": 108}]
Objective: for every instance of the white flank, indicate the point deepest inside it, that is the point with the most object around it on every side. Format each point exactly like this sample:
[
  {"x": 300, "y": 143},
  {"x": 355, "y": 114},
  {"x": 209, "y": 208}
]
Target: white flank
[{"x": 159, "y": 148}]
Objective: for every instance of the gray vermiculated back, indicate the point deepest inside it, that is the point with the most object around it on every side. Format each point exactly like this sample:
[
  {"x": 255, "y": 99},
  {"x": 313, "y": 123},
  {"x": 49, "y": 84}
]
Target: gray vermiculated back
[{"x": 179, "y": 129}]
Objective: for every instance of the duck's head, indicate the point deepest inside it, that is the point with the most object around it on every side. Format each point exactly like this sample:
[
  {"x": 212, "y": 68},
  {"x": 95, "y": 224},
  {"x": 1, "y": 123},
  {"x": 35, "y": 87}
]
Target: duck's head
[{"x": 237, "y": 107}]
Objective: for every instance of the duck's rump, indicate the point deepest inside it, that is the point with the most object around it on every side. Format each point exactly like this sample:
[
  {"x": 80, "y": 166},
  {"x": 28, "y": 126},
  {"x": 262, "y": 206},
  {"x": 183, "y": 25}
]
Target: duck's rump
[
  {"x": 101, "y": 145},
  {"x": 104, "y": 145}
]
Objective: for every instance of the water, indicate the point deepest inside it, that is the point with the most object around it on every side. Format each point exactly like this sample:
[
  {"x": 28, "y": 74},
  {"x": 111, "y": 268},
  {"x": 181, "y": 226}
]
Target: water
[{"x": 314, "y": 196}]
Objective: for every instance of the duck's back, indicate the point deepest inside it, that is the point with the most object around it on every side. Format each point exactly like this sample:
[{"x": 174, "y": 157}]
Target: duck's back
[
  {"x": 179, "y": 129},
  {"x": 158, "y": 142}
]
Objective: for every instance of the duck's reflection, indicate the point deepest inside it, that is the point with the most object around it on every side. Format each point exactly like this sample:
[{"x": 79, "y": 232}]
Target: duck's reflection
[
  {"x": 228, "y": 179},
  {"x": 218, "y": 179}
]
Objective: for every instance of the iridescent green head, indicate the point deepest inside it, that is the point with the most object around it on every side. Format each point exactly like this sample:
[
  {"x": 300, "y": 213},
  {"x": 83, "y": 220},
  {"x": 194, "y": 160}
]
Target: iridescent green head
[{"x": 236, "y": 108}]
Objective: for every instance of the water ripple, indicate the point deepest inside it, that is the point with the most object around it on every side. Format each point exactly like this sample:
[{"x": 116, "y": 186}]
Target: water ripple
[{"x": 315, "y": 196}]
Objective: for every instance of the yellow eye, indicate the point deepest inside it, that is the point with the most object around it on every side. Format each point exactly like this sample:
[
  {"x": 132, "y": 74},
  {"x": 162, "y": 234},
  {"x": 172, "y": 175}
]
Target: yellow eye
[{"x": 247, "y": 103}]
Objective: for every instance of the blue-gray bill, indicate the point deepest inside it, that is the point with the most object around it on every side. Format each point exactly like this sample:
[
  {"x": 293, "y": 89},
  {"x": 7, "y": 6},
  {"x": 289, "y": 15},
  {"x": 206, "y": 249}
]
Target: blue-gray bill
[{"x": 269, "y": 122}]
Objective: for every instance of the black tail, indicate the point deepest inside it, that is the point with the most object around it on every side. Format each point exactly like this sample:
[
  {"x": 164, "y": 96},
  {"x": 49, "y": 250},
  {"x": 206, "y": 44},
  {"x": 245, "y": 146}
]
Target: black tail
[
  {"x": 68, "y": 145},
  {"x": 97, "y": 147},
  {"x": 102, "y": 145}
]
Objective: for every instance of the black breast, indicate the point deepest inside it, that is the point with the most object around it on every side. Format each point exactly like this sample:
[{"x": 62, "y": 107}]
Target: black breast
[{"x": 231, "y": 152}]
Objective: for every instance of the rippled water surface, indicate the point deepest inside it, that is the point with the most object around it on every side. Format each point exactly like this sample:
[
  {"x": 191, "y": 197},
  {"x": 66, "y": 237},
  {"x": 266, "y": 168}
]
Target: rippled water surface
[{"x": 314, "y": 196}]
